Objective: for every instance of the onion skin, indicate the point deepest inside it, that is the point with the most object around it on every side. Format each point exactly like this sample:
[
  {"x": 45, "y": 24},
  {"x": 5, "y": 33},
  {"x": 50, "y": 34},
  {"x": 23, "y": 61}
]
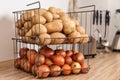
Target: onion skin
[
  {"x": 39, "y": 59},
  {"x": 69, "y": 53},
  {"x": 27, "y": 66},
  {"x": 60, "y": 52},
  {"x": 31, "y": 56},
  {"x": 46, "y": 51},
  {"x": 23, "y": 52},
  {"x": 68, "y": 60},
  {"x": 55, "y": 68},
  {"x": 17, "y": 62},
  {"x": 58, "y": 60},
  {"x": 48, "y": 61},
  {"x": 43, "y": 71},
  {"x": 84, "y": 68},
  {"x": 78, "y": 57},
  {"x": 66, "y": 69},
  {"x": 34, "y": 69},
  {"x": 76, "y": 67}
]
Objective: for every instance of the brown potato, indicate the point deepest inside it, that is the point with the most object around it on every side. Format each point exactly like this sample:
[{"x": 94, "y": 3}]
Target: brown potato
[
  {"x": 65, "y": 18},
  {"x": 52, "y": 10},
  {"x": 21, "y": 32},
  {"x": 80, "y": 29},
  {"x": 28, "y": 15},
  {"x": 40, "y": 11},
  {"x": 37, "y": 19},
  {"x": 74, "y": 37},
  {"x": 39, "y": 29},
  {"x": 18, "y": 24},
  {"x": 76, "y": 22},
  {"x": 85, "y": 38},
  {"x": 28, "y": 25},
  {"x": 29, "y": 39},
  {"x": 61, "y": 14},
  {"x": 58, "y": 10},
  {"x": 44, "y": 39},
  {"x": 54, "y": 27},
  {"x": 57, "y": 20},
  {"x": 56, "y": 16},
  {"x": 56, "y": 38},
  {"x": 22, "y": 19},
  {"x": 48, "y": 16},
  {"x": 69, "y": 26}
]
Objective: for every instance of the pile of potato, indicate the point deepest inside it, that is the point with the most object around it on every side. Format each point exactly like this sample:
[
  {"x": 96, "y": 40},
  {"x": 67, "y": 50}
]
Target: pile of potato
[{"x": 51, "y": 26}]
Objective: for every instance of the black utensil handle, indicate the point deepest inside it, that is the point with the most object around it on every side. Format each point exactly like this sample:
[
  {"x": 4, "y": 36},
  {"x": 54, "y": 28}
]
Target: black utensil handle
[
  {"x": 100, "y": 17},
  {"x": 94, "y": 17}
]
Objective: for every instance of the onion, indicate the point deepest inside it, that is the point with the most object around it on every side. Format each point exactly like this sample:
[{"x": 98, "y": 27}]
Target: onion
[
  {"x": 17, "y": 62},
  {"x": 76, "y": 67},
  {"x": 48, "y": 61},
  {"x": 66, "y": 69},
  {"x": 58, "y": 60},
  {"x": 23, "y": 52},
  {"x": 46, "y": 51},
  {"x": 60, "y": 52},
  {"x": 34, "y": 69},
  {"x": 43, "y": 71},
  {"x": 68, "y": 60},
  {"x": 22, "y": 62},
  {"x": 84, "y": 68},
  {"x": 55, "y": 70},
  {"x": 69, "y": 53},
  {"x": 39, "y": 59},
  {"x": 27, "y": 66},
  {"x": 31, "y": 56},
  {"x": 78, "y": 57}
]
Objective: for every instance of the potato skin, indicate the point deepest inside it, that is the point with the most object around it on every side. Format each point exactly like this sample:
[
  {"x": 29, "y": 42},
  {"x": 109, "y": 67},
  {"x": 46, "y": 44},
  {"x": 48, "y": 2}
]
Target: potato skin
[
  {"x": 56, "y": 35},
  {"x": 54, "y": 27},
  {"x": 74, "y": 37}
]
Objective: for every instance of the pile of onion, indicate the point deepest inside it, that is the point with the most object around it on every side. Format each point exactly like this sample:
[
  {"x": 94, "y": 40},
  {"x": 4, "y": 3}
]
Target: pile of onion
[{"x": 46, "y": 51}]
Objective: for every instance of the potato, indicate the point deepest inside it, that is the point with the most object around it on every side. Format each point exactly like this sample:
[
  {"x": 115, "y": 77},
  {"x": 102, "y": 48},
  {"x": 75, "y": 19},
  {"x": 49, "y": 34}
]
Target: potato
[
  {"x": 28, "y": 25},
  {"x": 52, "y": 10},
  {"x": 22, "y": 19},
  {"x": 57, "y": 20},
  {"x": 85, "y": 38},
  {"x": 29, "y": 33},
  {"x": 61, "y": 14},
  {"x": 40, "y": 11},
  {"x": 21, "y": 32},
  {"x": 55, "y": 38},
  {"x": 54, "y": 27},
  {"x": 38, "y": 29},
  {"x": 58, "y": 10},
  {"x": 28, "y": 15},
  {"x": 48, "y": 16},
  {"x": 18, "y": 24},
  {"x": 65, "y": 18},
  {"x": 56, "y": 16},
  {"x": 44, "y": 39},
  {"x": 74, "y": 37},
  {"x": 37, "y": 19},
  {"x": 69, "y": 27},
  {"x": 76, "y": 22},
  {"x": 80, "y": 29},
  {"x": 29, "y": 39}
]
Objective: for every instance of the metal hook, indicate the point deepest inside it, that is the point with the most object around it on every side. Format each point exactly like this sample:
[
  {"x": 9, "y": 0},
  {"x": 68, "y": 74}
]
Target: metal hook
[{"x": 34, "y": 3}]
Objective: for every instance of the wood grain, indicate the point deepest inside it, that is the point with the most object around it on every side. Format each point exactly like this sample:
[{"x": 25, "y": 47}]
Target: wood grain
[{"x": 103, "y": 67}]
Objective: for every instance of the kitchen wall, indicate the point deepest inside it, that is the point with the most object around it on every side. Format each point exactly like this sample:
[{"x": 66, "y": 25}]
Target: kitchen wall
[
  {"x": 111, "y": 5},
  {"x": 7, "y": 21}
]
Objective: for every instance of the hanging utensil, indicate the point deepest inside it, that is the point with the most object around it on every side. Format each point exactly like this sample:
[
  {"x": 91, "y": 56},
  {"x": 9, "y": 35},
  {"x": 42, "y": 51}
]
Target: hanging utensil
[
  {"x": 97, "y": 17},
  {"x": 94, "y": 17},
  {"x": 100, "y": 17},
  {"x": 107, "y": 22}
]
